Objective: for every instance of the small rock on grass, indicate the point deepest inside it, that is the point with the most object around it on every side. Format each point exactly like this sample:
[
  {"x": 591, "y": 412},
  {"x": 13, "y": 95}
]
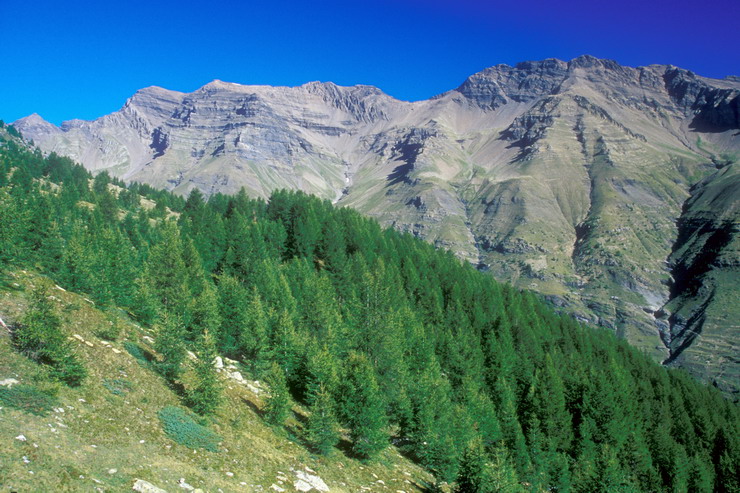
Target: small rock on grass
[{"x": 146, "y": 487}]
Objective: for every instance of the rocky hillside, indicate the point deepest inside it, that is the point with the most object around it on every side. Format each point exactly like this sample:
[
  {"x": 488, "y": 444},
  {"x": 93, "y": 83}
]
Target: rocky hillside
[{"x": 564, "y": 177}]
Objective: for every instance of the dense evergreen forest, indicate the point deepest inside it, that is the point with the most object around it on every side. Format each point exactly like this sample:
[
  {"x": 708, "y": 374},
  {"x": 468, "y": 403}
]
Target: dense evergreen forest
[{"x": 376, "y": 332}]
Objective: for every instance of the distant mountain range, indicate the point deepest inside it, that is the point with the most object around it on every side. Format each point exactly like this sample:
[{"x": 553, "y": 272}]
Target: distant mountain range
[{"x": 612, "y": 190}]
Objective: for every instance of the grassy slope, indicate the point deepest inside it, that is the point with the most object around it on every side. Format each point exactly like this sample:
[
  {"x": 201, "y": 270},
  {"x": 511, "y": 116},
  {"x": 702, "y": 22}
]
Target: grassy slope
[{"x": 98, "y": 431}]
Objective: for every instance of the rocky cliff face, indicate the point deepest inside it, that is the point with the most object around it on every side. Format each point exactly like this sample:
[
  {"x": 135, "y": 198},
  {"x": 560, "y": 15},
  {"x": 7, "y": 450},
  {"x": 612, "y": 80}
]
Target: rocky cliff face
[{"x": 564, "y": 177}]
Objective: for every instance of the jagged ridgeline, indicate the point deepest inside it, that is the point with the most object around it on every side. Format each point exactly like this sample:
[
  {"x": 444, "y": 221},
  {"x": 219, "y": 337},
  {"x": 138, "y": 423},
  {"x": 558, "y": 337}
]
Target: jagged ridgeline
[{"x": 377, "y": 332}]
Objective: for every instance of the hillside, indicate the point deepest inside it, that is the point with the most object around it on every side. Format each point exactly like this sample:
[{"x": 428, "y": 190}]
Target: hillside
[
  {"x": 107, "y": 433},
  {"x": 368, "y": 339},
  {"x": 568, "y": 178}
]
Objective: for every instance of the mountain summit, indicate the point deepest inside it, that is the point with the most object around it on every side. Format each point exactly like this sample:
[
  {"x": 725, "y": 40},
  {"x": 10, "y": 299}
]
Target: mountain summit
[{"x": 598, "y": 185}]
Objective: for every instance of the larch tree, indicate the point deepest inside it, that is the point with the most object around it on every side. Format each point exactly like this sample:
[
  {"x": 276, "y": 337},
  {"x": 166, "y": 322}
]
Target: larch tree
[
  {"x": 278, "y": 403},
  {"x": 170, "y": 344},
  {"x": 206, "y": 394},
  {"x": 364, "y": 409},
  {"x": 323, "y": 429}
]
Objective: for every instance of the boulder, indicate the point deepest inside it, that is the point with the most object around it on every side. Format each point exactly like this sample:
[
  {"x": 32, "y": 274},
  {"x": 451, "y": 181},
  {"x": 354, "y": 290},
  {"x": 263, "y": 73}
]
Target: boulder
[
  {"x": 146, "y": 487},
  {"x": 308, "y": 482},
  {"x": 236, "y": 376}
]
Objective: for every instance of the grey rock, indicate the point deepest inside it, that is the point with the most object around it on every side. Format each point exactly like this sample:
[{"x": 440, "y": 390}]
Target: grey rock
[
  {"x": 308, "y": 482},
  {"x": 146, "y": 487}
]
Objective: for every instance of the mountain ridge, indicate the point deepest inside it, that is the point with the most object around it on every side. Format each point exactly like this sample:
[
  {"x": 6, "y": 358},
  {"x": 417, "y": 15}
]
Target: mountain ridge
[{"x": 564, "y": 177}]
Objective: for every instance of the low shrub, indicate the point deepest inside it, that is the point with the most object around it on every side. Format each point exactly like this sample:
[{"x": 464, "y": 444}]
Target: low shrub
[
  {"x": 183, "y": 429},
  {"x": 137, "y": 352},
  {"x": 27, "y": 398}
]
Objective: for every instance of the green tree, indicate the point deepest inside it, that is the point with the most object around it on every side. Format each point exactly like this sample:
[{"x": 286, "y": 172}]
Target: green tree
[
  {"x": 206, "y": 395},
  {"x": 474, "y": 475},
  {"x": 321, "y": 371},
  {"x": 167, "y": 273},
  {"x": 107, "y": 205},
  {"x": 286, "y": 347},
  {"x": 146, "y": 304},
  {"x": 11, "y": 221},
  {"x": 322, "y": 428},
  {"x": 101, "y": 182},
  {"x": 204, "y": 312},
  {"x": 170, "y": 344},
  {"x": 254, "y": 332},
  {"x": 233, "y": 312},
  {"x": 40, "y": 337},
  {"x": 503, "y": 476},
  {"x": 364, "y": 408},
  {"x": 278, "y": 404}
]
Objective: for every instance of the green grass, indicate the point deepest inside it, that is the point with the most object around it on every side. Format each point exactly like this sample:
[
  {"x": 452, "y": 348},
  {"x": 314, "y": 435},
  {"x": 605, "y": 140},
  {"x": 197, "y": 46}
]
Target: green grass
[
  {"x": 118, "y": 386},
  {"x": 28, "y": 398}
]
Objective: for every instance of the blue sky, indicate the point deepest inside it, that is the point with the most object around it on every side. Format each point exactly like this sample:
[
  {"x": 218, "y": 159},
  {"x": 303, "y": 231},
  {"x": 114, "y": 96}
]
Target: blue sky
[{"x": 79, "y": 59}]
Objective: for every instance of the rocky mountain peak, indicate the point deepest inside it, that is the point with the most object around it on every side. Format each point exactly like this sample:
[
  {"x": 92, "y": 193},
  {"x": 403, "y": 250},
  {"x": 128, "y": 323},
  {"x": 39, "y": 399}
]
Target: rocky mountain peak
[
  {"x": 591, "y": 62},
  {"x": 501, "y": 84},
  {"x": 35, "y": 126}
]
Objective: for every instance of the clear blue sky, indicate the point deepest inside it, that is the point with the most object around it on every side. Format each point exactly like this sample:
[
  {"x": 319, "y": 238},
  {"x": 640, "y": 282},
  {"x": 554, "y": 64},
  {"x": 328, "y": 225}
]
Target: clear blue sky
[{"x": 78, "y": 59}]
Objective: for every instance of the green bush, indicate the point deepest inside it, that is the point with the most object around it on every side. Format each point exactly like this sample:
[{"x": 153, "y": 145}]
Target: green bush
[
  {"x": 110, "y": 331},
  {"x": 136, "y": 351},
  {"x": 117, "y": 386},
  {"x": 27, "y": 398},
  {"x": 182, "y": 428}
]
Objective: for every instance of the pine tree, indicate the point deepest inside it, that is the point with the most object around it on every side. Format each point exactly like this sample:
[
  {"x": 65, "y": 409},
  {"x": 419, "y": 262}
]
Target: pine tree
[
  {"x": 101, "y": 182},
  {"x": 321, "y": 371},
  {"x": 253, "y": 334},
  {"x": 511, "y": 428},
  {"x": 233, "y": 312},
  {"x": 322, "y": 429},
  {"x": 700, "y": 478},
  {"x": 364, "y": 410},
  {"x": 204, "y": 311},
  {"x": 146, "y": 304},
  {"x": 286, "y": 347},
  {"x": 107, "y": 205},
  {"x": 170, "y": 344},
  {"x": 196, "y": 276},
  {"x": 40, "y": 337},
  {"x": 206, "y": 395},
  {"x": 503, "y": 476},
  {"x": 278, "y": 404},
  {"x": 474, "y": 473},
  {"x": 11, "y": 220},
  {"x": 550, "y": 407},
  {"x": 167, "y": 273}
]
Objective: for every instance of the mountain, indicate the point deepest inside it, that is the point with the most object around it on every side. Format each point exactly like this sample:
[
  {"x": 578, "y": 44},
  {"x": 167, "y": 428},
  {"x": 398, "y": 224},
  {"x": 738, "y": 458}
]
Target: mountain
[
  {"x": 590, "y": 182},
  {"x": 152, "y": 342}
]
